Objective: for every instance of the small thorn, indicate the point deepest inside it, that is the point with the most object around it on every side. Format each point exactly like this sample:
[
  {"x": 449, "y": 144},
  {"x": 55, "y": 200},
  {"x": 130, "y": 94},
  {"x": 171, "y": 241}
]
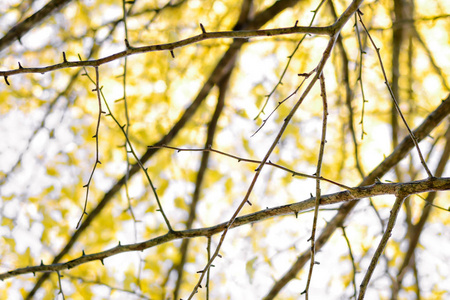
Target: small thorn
[
  {"x": 296, "y": 214},
  {"x": 6, "y": 80},
  {"x": 127, "y": 44},
  {"x": 64, "y": 57},
  {"x": 203, "y": 28},
  {"x": 171, "y": 53},
  {"x": 83, "y": 254},
  {"x": 20, "y": 66},
  {"x": 42, "y": 263},
  {"x": 296, "y": 22},
  {"x": 249, "y": 203},
  {"x": 101, "y": 260}
]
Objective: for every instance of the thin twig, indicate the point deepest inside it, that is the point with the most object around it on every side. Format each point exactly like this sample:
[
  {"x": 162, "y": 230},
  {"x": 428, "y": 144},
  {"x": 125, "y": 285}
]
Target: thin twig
[
  {"x": 380, "y": 249},
  {"x": 239, "y": 159},
  {"x": 323, "y": 94},
  {"x": 280, "y": 81},
  {"x": 352, "y": 259},
  {"x": 141, "y": 165},
  {"x": 97, "y": 161},
  {"x": 60, "y": 285},
  {"x": 414, "y": 139}
]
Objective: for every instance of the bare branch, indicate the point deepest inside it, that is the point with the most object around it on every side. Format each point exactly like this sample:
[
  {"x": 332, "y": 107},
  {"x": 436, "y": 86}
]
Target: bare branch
[{"x": 378, "y": 189}]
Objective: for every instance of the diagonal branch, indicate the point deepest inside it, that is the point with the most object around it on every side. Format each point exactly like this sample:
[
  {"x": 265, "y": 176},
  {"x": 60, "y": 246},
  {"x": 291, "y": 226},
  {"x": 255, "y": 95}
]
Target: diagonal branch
[{"x": 19, "y": 30}]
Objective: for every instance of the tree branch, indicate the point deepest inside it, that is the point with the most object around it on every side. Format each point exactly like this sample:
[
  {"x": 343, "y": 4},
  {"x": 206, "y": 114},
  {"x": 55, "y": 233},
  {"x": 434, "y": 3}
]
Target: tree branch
[
  {"x": 377, "y": 189},
  {"x": 18, "y": 31}
]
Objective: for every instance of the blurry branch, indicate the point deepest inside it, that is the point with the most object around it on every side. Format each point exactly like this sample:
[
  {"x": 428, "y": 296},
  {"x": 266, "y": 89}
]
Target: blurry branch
[
  {"x": 223, "y": 66},
  {"x": 394, "y": 158},
  {"x": 433, "y": 62},
  {"x": 19, "y": 30},
  {"x": 269, "y": 163},
  {"x": 378, "y": 189},
  {"x": 97, "y": 282},
  {"x": 409, "y": 21},
  {"x": 212, "y": 127},
  {"x": 244, "y": 34}
]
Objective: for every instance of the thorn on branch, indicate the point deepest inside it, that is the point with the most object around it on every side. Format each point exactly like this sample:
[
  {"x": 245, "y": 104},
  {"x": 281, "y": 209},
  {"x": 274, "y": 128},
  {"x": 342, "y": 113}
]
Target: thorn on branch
[
  {"x": 249, "y": 203},
  {"x": 6, "y": 80},
  {"x": 20, "y": 66},
  {"x": 83, "y": 254},
  {"x": 171, "y": 53},
  {"x": 296, "y": 22},
  {"x": 127, "y": 44},
  {"x": 42, "y": 263},
  {"x": 296, "y": 214},
  {"x": 203, "y": 28},
  {"x": 119, "y": 244},
  {"x": 220, "y": 256},
  {"x": 64, "y": 57},
  {"x": 316, "y": 263},
  {"x": 101, "y": 260}
]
